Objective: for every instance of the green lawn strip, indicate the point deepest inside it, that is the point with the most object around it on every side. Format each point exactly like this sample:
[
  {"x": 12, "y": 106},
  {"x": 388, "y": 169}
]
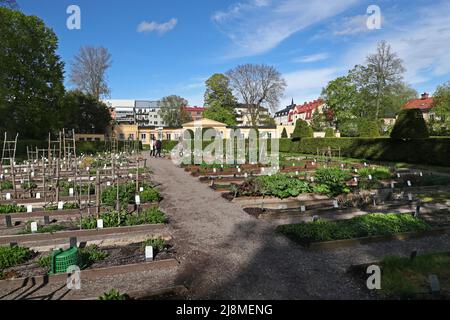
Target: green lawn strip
[
  {"x": 377, "y": 224},
  {"x": 409, "y": 278}
]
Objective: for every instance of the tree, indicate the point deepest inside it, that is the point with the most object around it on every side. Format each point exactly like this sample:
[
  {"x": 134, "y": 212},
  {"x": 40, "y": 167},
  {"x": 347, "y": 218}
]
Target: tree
[
  {"x": 173, "y": 111},
  {"x": 384, "y": 72},
  {"x": 84, "y": 113},
  {"x": 441, "y": 102},
  {"x": 10, "y": 4},
  {"x": 219, "y": 100},
  {"x": 88, "y": 72},
  {"x": 31, "y": 76},
  {"x": 318, "y": 121},
  {"x": 284, "y": 134},
  {"x": 368, "y": 128},
  {"x": 302, "y": 130},
  {"x": 410, "y": 125},
  {"x": 257, "y": 85}
]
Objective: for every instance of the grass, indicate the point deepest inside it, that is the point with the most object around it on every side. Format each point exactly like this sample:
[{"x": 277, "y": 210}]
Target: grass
[
  {"x": 405, "y": 278},
  {"x": 363, "y": 226}
]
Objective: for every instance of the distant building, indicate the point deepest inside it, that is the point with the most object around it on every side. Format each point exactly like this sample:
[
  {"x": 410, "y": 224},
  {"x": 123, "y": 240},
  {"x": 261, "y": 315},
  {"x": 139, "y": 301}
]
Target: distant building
[
  {"x": 195, "y": 112},
  {"x": 282, "y": 116},
  {"x": 305, "y": 111},
  {"x": 243, "y": 117},
  {"x": 425, "y": 103},
  {"x": 140, "y": 112}
]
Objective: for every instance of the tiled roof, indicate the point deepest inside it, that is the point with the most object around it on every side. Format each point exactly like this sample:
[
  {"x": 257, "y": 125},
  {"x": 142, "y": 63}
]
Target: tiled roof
[
  {"x": 423, "y": 104},
  {"x": 307, "y": 107}
]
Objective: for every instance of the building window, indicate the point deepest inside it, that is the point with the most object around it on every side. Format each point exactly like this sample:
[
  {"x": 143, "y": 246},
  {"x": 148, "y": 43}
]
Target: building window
[
  {"x": 155, "y": 122},
  {"x": 143, "y": 136},
  {"x": 168, "y": 136},
  {"x": 152, "y": 136},
  {"x": 131, "y": 136}
]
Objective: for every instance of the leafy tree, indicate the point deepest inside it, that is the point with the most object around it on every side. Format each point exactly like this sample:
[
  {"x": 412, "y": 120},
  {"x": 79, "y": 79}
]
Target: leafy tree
[
  {"x": 89, "y": 71},
  {"x": 173, "y": 111},
  {"x": 219, "y": 100},
  {"x": 10, "y": 4},
  {"x": 31, "y": 76},
  {"x": 85, "y": 113},
  {"x": 410, "y": 125},
  {"x": 302, "y": 130},
  {"x": 368, "y": 128},
  {"x": 318, "y": 122},
  {"x": 284, "y": 134},
  {"x": 441, "y": 102}
]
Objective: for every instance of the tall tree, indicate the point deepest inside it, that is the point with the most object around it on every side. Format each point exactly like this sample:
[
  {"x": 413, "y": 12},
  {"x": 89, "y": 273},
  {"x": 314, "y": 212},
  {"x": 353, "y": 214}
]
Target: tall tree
[
  {"x": 10, "y": 4},
  {"x": 257, "y": 85},
  {"x": 31, "y": 75},
  {"x": 88, "y": 72},
  {"x": 173, "y": 111},
  {"x": 318, "y": 121},
  {"x": 384, "y": 72},
  {"x": 84, "y": 113},
  {"x": 441, "y": 102},
  {"x": 219, "y": 100}
]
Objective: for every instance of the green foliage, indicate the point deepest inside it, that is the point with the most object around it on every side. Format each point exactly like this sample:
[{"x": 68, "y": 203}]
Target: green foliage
[
  {"x": 302, "y": 130},
  {"x": 6, "y": 185},
  {"x": 10, "y": 257},
  {"x": 329, "y": 133},
  {"x": 334, "y": 179},
  {"x": 31, "y": 76},
  {"x": 410, "y": 125},
  {"x": 28, "y": 185},
  {"x": 116, "y": 219},
  {"x": 363, "y": 226},
  {"x": 172, "y": 111},
  {"x": 45, "y": 261},
  {"x": 92, "y": 254},
  {"x": 157, "y": 243},
  {"x": 219, "y": 100},
  {"x": 279, "y": 185},
  {"x": 66, "y": 206},
  {"x": 368, "y": 129},
  {"x": 284, "y": 134},
  {"x": 51, "y": 228},
  {"x": 113, "y": 294},
  {"x": 441, "y": 103},
  {"x": 11, "y": 208},
  {"x": 150, "y": 195},
  {"x": 127, "y": 192},
  {"x": 318, "y": 121},
  {"x": 148, "y": 216}
]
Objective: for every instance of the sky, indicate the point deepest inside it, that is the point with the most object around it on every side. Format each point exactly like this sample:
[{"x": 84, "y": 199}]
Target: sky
[{"x": 164, "y": 47}]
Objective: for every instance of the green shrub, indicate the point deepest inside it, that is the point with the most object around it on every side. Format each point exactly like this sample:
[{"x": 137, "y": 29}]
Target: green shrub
[
  {"x": 150, "y": 195},
  {"x": 11, "y": 208},
  {"x": 116, "y": 219},
  {"x": 329, "y": 133},
  {"x": 66, "y": 206},
  {"x": 113, "y": 294},
  {"x": 45, "y": 261},
  {"x": 51, "y": 228},
  {"x": 279, "y": 185},
  {"x": 368, "y": 129},
  {"x": 10, "y": 257},
  {"x": 302, "y": 130},
  {"x": 6, "y": 185},
  {"x": 334, "y": 179},
  {"x": 362, "y": 226},
  {"x": 284, "y": 134},
  {"x": 148, "y": 216},
  {"x": 410, "y": 125}
]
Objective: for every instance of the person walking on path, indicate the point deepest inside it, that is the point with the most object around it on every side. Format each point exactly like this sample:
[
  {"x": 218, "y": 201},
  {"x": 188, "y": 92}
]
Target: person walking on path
[
  {"x": 152, "y": 147},
  {"x": 158, "y": 148}
]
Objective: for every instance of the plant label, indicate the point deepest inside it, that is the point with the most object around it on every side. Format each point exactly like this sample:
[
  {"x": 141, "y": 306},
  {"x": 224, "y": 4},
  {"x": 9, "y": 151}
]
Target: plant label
[
  {"x": 38, "y": 195},
  {"x": 239, "y": 170},
  {"x": 71, "y": 192},
  {"x": 130, "y": 175},
  {"x": 312, "y": 179},
  {"x": 356, "y": 170},
  {"x": 149, "y": 253},
  {"x": 6, "y": 171},
  {"x": 100, "y": 224},
  {"x": 246, "y": 175},
  {"x": 108, "y": 183},
  {"x": 365, "y": 164},
  {"x": 214, "y": 170},
  {"x": 302, "y": 208},
  {"x": 410, "y": 197},
  {"x": 92, "y": 178},
  {"x": 25, "y": 170},
  {"x": 398, "y": 175},
  {"x": 263, "y": 169},
  {"x": 141, "y": 189},
  {"x": 392, "y": 185},
  {"x": 335, "y": 204},
  {"x": 60, "y": 205},
  {"x": 29, "y": 208},
  {"x": 1, "y": 176},
  {"x": 8, "y": 196},
  {"x": 137, "y": 199},
  {"x": 370, "y": 177},
  {"x": 342, "y": 166},
  {"x": 32, "y": 174},
  {"x": 409, "y": 183},
  {"x": 356, "y": 179},
  {"x": 421, "y": 174},
  {"x": 34, "y": 227},
  {"x": 296, "y": 173},
  {"x": 87, "y": 169}
]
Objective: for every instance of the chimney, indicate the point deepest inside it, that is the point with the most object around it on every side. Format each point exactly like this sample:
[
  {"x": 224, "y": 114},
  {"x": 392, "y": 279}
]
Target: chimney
[{"x": 425, "y": 96}]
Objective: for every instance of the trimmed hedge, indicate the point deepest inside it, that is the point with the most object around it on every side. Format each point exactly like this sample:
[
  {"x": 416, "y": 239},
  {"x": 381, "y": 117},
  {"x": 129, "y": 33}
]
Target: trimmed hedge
[
  {"x": 434, "y": 151},
  {"x": 410, "y": 124}
]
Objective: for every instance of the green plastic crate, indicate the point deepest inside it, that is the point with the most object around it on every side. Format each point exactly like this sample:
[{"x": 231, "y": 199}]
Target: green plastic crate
[{"x": 63, "y": 259}]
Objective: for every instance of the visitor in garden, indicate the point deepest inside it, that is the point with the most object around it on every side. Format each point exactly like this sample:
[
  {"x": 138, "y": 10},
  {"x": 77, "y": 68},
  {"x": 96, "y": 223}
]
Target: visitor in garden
[
  {"x": 158, "y": 148},
  {"x": 152, "y": 147}
]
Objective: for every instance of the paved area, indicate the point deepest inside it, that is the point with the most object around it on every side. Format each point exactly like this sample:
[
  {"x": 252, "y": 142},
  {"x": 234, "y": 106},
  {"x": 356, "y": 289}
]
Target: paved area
[{"x": 227, "y": 254}]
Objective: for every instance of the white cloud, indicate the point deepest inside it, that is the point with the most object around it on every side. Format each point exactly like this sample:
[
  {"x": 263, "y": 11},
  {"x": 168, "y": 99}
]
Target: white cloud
[
  {"x": 312, "y": 58},
  {"x": 351, "y": 26},
  {"x": 160, "y": 28},
  {"x": 257, "y": 26}
]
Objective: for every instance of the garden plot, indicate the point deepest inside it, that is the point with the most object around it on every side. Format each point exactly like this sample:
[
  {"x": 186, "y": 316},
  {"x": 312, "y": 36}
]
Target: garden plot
[{"x": 423, "y": 276}]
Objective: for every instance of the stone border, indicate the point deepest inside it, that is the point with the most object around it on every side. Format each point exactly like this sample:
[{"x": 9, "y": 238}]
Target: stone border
[
  {"x": 92, "y": 274},
  {"x": 337, "y": 244}
]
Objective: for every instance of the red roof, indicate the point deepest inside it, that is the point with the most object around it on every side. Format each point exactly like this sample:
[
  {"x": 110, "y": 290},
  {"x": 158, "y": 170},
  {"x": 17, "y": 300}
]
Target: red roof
[
  {"x": 307, "y": 107},
  {"x": 424, "y": 103},
  {"x": 194, "y": 109}
]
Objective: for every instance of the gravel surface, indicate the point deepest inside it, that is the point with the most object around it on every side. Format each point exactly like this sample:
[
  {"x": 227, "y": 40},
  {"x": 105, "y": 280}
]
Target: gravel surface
[{"x": 227, "y": 254}]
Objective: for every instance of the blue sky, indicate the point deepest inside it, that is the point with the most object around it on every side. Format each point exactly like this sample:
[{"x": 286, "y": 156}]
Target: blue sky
[{"x": 162, "y": 47}]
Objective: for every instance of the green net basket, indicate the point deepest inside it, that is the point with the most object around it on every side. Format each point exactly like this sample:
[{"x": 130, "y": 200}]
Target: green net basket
[{"x": 63, "y": 259}]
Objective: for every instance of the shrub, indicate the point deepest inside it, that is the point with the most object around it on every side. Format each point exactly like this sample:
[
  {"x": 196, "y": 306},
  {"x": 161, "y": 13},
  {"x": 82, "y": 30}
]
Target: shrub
[
  {"x": 363, "y": 226},
  {"x": 284, "y": 133},
  {"x": 10, "y": 257},
  {"x": 410, "y": 125},
  {"x": 329, "y": 133},
  {"x": 334, "y": 179},
  {"x": 66, "y": 206},
  {"x": 127, "y": 191},
  {"x": 302, "y": 130},
  {"x": 11, "y": 208},
  {"x": 368, "y": 129}
]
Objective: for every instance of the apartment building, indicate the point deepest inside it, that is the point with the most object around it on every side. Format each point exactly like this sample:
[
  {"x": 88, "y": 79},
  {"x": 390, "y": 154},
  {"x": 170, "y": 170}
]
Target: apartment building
[{"x": 243, "y": 116}]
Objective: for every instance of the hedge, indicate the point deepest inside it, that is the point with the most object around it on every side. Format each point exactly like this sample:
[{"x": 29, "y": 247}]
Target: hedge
[{"x": 434, "y": 151}]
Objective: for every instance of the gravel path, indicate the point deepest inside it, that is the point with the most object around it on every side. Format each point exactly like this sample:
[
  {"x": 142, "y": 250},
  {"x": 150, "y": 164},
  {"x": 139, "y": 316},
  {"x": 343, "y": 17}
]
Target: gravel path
[{"x": 227, "y": 254}]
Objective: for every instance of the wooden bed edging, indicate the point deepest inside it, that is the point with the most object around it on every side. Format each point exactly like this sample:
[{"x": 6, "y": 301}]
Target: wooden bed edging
[
  {"x": 91, "y": 274},
  {"x": 337, "y": 244}
]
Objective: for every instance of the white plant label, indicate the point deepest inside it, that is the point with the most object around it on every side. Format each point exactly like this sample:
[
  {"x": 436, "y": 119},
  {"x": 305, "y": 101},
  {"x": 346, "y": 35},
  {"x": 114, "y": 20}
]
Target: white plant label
[
  {"x": 409, "y": 183},
  {"x": 60, "y": 205},
  {"x": 34, "y": 227},
  {"x": 302, "y": 208},
  {"x": 398, "y": 175},
  {"x": 149, "y": 253},
  {"x": 392, "y": 185},
  {"x": 137, "y": 199},
  {"x": 296, "y": 173},
  {"x": 365, "y": 164},
  {"x": 100, "y": 224},
  {"x": 370, "y": 177},
  {"x": 38, "y": 195},
  {"x": 356, "y": 170},
  {"x": 8, "y": 196},
  {"x": 421, "y": 174},
  {"x": 71, "y": 192},
  {"x": 141, "y": 189},
  {"x": 410, "y": 197},
  {"x": 108, "y": 183},
  {"x": 87, "y": 169},
  {"x": 32, "y": 174},
  {"x": 92, "y": 178},
  {"x": 215, "y": 170},
  {"x": 335, "y": 204},
  {"x": 6, "y": 171},
  {"x": 29, "y": 208}
]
